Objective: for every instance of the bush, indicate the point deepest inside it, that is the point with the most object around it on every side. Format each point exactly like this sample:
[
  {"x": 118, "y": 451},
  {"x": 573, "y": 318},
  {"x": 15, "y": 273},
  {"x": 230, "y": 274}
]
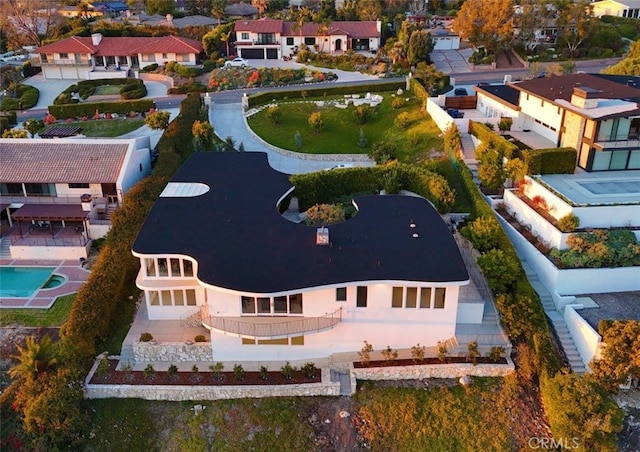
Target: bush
[
  {"x": 389, "y": 354},
  {"x": 133, "y": 91},
  {"x": 383, "y": 152},
  {"x": 200, "y": 338},
  {"x": 193, "y": 87},
  {"x": 26, "y": 97},
  {"x": 398, "y": 102},
  {"x": 149, "y": 371},
  {"x": 274, "y": 114},
  {"x": 502, "y": 271},
  {"x": 492, "y": 139},
  {"x": 361, "y": 113},
  {"x": 472, "y": 352},
  {"x": 146, "y": 337},
  {"x": 484, "y": 233},
  {"x": 550, "y": 161},
  {"x": 324, "y": 215},
  {"x": 264, "y": 373},
  {"x": 365, "y": 353},
  {"x": 569, "y": 223},
  {"x": 89, "y": 109},
  {"x": 287, "y": 371},
  {"x": 403, "y": 120},
  {"x": 309, "y": 370},
  {"x": 496, "y": 353},
  {"x": 172, "y": 371},
  {"x": 238, "y": 372},
  {"x": 417, "y": 352},
  {"x": 600, "y": 248},
  {"x": 150, "y": 68}
]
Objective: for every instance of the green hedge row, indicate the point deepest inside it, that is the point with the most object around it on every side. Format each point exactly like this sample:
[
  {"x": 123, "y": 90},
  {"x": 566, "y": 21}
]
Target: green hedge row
[
  {"x": 88, "y": 109},
  {"x": 150, "y": 68},
  {"x": 263, "y": 98},
  {"x": 550, "y": 161},
  {"x": 27, "y": 97},
  {"x": 193, "y": 87},
  {"x": 133, "y": 91},
  {"x": 495, "y": 141},
  {"x": 325, "y": 187},
  {"x": 111, "y": 81},
  {"x": 419, "y": 91},
  {"x": 8, "y": 119}
]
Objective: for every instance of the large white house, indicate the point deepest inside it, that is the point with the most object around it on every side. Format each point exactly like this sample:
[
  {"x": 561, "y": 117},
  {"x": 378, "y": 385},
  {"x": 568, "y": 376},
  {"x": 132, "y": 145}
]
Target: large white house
[
  {"x": 58, "y": 195},
  {"x": 620, "y": 8},
  {"x": 215, "y": 245},
  {"x": 101, "y": 57}
]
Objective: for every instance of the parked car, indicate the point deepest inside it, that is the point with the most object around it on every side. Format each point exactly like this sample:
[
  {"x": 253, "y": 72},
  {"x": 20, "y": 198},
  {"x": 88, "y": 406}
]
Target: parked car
[
  {"x": 460, "y": 92},
  {"x": 340, "y": 166},
  {"x": 237, "y": 62},
  {"x": 456, "y": 114}
]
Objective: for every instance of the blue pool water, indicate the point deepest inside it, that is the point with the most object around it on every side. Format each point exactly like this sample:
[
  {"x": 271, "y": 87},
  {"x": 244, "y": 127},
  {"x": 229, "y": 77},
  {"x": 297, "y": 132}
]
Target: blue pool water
[{"x": 22, "y": 281}]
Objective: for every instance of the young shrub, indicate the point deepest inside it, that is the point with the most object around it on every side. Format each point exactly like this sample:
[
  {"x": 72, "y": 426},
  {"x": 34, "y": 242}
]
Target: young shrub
[
  {"x": 103, "y": 366},
  {"x": 383, "y": 152},
  {"x": 309, "y": 370},
  {"x": 391, "y": 182},
  {"x": 217, "y": 369},
  {"x": 297, "y": 140},
  {"x": 389, "y": 354},
  {"x": 484, "y": 233},
  {"x": 316, "y": 122},
  {"x": 362, "y": 140},
  {"x": 569, "y": 223},
  {"x": 149, "y": 372},
  {"x": 505, "y": 124},
  {"x": 287, "y": 371},
  {"x": 146, "y": 337},
  {"x": 442, "y": 351},
  {"x": 172, "y": 371},
  {"x": 195, "y": 369},
  {"x": 229, "y": 144},
  {"x": 397, "y": 103},
  {"x": 417, "y": 352},
  {"x": 472, "y": 352},
  {"x": 157, "y": 120},
  {"x": 361, "y": 113},
  {"x": 452, "y": 141},
  {"x": 495, "y": 353},
  {"x": 403, "y": 120},
  {"x": 238, "y": 372},
  {"x": 274, "y": 114},
  {"x": 196, "y": 373},
  {"x": 365, "y": 353},
  {"x": 126, "y": 367},
  {"x": 264, "y": 373},
  {"x": 200, "y": 338}
]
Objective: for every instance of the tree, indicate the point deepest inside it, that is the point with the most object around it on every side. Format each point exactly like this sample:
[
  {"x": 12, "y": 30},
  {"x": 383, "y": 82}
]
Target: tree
[
  {"x": 620, "y": 356},
  {"x": 322, "y": 31},
  {"x": 161, "y": 7},
  {"x": 34, "y": 359},
  {"x": 575, "y": 22},
  {"x": 486, "y": 23},
  {"x": 157, "y": 120},
  {"x": 420, "y": 46},
  {"x": 369, "y": 9},
  {"x": 348, "y": 11},
  {"x": 262, "y": 5},
  {"x": 304, "y": 14},
  {"x": 15, "y": 133},
  {"x": 201, "y": 7},
  {"x": 203, "y": 134},
  {"x": 581, "y": 412},
  {"x": 532, "y": 16},
  {"x": 214, "y": 39},
  {"x": 32, "y": 21},
  {"x": 630, "y": 65},
  {"x": 452, "y": 141},
  {"x": 324, "y": 214},
  {"x": 500, "y": 269},
  {"x": 316, "y": 122},
  {"x": 33, "y": 126},
  {"x": 217, "y": 9}
]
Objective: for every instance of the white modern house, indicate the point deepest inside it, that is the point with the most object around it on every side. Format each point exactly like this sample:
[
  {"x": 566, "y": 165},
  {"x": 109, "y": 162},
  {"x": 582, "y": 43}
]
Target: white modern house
[
  {"x": 216, "y": 247},
  {"x": 58, "y": 195},
  {"x": 620, "y": 8},
  {"x": 273, "y": 39},
  {"x": 101, "y": 57}
]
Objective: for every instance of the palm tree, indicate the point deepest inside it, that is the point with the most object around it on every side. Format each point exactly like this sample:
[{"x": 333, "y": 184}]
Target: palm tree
[
  {"x": 35, "y": 358},
  {"x": 304, "y": 15},
  {"x": 323, "y": 29}
]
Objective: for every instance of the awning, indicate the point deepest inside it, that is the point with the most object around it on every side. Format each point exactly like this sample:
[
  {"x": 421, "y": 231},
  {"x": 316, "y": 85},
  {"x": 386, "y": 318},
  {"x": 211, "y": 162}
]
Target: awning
[
  {"x": 3, "y": 206},
  {"x": 50, "y": 212}
]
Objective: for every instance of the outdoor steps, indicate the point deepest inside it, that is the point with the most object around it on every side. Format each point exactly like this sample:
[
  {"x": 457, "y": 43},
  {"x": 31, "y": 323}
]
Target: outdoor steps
[
  {"x": 126, "y": 355},
  {"x": 5, "y": 252},
  {"x": 110, "y": 209}
]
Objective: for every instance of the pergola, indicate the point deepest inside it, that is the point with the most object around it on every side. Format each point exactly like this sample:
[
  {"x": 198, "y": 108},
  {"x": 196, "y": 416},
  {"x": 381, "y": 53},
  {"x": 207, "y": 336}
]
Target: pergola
[{"x": 48, "y": 213}]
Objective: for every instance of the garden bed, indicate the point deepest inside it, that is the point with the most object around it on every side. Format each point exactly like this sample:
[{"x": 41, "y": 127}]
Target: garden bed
[
  {"x": 202, "y": 378},
  {"x": 427, "y": 362}
]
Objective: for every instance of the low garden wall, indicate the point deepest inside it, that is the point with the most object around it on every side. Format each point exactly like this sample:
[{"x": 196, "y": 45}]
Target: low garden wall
[
  {"x": 173, "y": 352},
  {"x": 180, "y": 393},
  {"x": 587, "y": 339},
  {"x": 168, "y": 81},
  {"x": 433, "y": 371}
]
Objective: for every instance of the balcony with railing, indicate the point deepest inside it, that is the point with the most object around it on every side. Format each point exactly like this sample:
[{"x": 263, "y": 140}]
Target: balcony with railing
[
  {"x": 271, "y": 327},
  {"x": 265, "y": 42},
  {"x": 67, "y": 62},
  {"x": 72, "y": 234},
  {"x": 622, "y": 141}
]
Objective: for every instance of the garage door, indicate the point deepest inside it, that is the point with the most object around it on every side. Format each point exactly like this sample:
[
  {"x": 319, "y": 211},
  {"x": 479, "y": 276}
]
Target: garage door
[
  {"x": 252, "y": 54},
  {"x": 272, "y": 54}
]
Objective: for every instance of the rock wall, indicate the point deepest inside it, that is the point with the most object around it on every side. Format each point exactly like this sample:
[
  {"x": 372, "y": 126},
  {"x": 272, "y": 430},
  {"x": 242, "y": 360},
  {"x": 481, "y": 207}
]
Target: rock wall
[
  {"x": 174, "y": 352},
  {"x": 433, "y": 371}
]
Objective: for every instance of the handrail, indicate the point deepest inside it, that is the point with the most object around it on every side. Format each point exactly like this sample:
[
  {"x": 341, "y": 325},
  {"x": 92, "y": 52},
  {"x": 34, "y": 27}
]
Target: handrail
[{"x": 275, "y": 329}]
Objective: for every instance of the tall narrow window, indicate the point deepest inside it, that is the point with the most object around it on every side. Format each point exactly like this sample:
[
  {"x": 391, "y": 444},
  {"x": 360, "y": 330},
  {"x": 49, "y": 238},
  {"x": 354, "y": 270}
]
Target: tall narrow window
[
  {"x": 295, "y": 304},
  {"x": 248, "y": 305},
  {"x": 264, "y": 306},
  {"x": 438, "y": 302},
  {"x": 188, "y": 268},
  {"x": 361, "y": 299},
  {"x": 412, "y": 297},
  {"x": 162, "y": 267},
  {"x": 396, "y": 297},
  {"x": 425, "y": 297},
  {"x": 191, "y": 297},
  {"x": 280, "y": 305},
  {"x": 151, "y": 267},
  {"x": 175, "y": 267}
]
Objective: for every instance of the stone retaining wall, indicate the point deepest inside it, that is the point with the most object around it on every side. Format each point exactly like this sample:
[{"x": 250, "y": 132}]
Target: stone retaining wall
[
  {"x": 433, "y": 371},
  {"x": 174, "y": 352},
  {"x": 181, "y": 393}
]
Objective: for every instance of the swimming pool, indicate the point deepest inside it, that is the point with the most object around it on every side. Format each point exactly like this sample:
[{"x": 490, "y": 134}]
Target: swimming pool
[{"x": 23, "y": 282}]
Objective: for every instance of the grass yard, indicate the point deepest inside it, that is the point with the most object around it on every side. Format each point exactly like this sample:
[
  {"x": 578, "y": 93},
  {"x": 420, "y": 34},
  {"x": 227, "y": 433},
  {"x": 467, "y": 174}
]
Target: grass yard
[
  {"x": 107, "y": 90},
  {"x": 341, "y": 132},
  {"x": 54, "y": 316},
  {"x": 107, "y": 128}
]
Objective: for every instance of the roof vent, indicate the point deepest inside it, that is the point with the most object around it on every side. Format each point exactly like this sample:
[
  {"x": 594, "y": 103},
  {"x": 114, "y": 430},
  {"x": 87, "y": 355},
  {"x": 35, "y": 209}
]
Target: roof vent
[{"x": 322, "y": 236}]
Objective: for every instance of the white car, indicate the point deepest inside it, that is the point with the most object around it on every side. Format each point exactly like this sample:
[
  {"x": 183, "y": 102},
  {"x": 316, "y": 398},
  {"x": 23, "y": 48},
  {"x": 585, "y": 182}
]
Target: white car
[
  {"x": 340, "y": 166},
  {"x": 237, "y": 62}
]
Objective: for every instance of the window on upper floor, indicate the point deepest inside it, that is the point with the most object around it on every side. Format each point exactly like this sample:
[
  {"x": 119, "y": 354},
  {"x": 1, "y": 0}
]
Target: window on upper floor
[
  {"x": 289, "y": 41},
  {"x": 78, "y": 185},
  {"x": 341, "y": 294},
  {"x": 310, "y": 41},
  {"x": 244, "y": 36},
  {"x": 438, "y": 301},
  {"x": 361, "y": 297},
  {"x": 64, "y": 56}
]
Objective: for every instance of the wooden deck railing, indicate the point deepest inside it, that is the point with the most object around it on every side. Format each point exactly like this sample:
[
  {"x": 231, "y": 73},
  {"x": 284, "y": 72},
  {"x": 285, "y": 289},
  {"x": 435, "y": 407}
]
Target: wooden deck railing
[{"x": 260, "y": 327}]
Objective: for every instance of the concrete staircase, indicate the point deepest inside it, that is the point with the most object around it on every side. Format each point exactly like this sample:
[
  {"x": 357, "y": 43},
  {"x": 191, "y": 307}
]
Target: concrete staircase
[
  {"x": 5, "y": 253},
  {"x": 468, "y": 154},
  {"x": 557, "y": 321}
]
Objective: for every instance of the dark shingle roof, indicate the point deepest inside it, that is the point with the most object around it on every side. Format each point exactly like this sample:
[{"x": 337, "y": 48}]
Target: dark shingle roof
[
  {"x": 241, "y": 242},
  {"x": 505, "y": 93}
]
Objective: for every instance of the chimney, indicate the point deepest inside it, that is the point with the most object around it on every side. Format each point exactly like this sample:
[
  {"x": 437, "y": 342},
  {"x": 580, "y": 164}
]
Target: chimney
[
  {"x": 379, "y": 26},
  {"x": 322, "y": 236},
  {"x": 96, "y": 38},
  {"x": 584, "y": 97},
  {"x": 170, "y": 20}
]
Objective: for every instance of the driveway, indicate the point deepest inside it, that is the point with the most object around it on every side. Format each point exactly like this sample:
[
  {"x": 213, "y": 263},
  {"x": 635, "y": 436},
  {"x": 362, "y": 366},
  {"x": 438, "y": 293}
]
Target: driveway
[
  {"x": 452, "y": 61},
  {"x": 343, "y": 76},
  {"x": 228, "y": 120}
]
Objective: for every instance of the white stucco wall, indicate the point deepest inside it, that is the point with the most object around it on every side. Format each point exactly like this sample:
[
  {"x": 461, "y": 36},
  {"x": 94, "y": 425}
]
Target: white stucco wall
[
  {"x": 136, "y": 165},
  {"x": 587, "y": 339},
  {"x": 536, "y": 109},
  {"x": 492, "y": 108},
  {"x": 49, "y": 252}
]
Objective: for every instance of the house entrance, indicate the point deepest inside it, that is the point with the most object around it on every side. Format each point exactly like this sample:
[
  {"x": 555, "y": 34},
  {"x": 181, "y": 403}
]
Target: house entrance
[{"x": 338, "y": 45}]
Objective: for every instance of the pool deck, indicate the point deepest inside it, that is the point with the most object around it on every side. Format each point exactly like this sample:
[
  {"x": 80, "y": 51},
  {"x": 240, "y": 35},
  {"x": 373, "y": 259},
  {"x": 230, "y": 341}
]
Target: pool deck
[{"x": 74, "y": 274}]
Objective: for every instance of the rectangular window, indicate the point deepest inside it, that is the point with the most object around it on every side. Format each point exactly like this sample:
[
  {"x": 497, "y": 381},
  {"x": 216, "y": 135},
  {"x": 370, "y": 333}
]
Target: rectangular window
[
  {"x": 191, "y": 297},
  {"x": 425, "y": 297},
  {"x": 64, "y": 56},
  {"x": 78, "y": 185},
  {"x": 341, "y": 294},
  {"x": 280, "y": 305},
  {"x": 178, "y": 297},
  {"x": 289, "y": 41},
  {"x": 154, "y": 300},
  {"x": 162, "y": 267},
  {"x": 396, "y": 297},
  {"x": 266, "y": 38},
  {"x": 438, "y": 302},
  {"x": 44, "y": 58},
  {"x": 151, "y": 267},
  {"x": 361, "y": 299},
  {"x": 188, "y": 268},
  {"x": 264, "y": 306},
  {"x": 165, "y": 56},
  {"x": 310, "y": 41},
  {"x": 297, "y": 340},
  {"x": 175, "y": 267},
  {"x": 247, "y": 341},
  {"x": 282, "y": 341},
  {"x": 165, "y": 295},
  {"x": 295, "y": 304},
  {"x": 244, "y": 36},
  {"x": 412, "y": 297},
  {"x": 248, "y": 305},
  {"x": 149, "y": 57}
]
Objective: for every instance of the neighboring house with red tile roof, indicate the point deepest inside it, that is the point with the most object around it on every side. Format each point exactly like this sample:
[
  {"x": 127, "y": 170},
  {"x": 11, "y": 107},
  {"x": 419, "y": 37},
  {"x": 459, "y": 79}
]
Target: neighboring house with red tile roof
[
  {"x": 57, "y": 195},
  {"x": 274, "y": 39},
  {"x": 113, "y": 57}
]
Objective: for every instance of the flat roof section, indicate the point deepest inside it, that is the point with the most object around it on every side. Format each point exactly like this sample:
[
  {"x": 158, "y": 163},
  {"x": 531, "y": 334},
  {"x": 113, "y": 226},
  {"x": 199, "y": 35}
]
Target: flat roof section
[
  {"x": 598, "y": 188},
  {"x": 611, "y": 306}
]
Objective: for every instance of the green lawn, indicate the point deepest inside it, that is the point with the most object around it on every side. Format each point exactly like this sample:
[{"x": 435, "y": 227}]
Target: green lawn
[
  {"x": 104, "y": 90},
  {"x": 341, "y": 131},
  {"x": 107, "y": 128},
  {"x": 54, "y": 316}
]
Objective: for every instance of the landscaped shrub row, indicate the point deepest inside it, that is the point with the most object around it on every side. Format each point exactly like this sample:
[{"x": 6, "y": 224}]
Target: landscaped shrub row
[
  {"x": 133, "y": 91},
  {"x": 492, "y": 139},
  {"x": 599, "y": 249},
  {"x": 193, "y": 87},
  {"x": 347, "y": 62},
  {"x": 325, "y": 187},
  {"x": 150, "y": 68},
  {"x": 550, "y": 161},
  {"x": 111, "y": 81},
  {"x": 263, "y": 98},
  {"x": 89, "y": 109},
  {"x": 7, "y": 120},
  {"x": 133, "y": 87},
  {"x": 26, "y": 97},
  {"x": 183, "y": 71}
]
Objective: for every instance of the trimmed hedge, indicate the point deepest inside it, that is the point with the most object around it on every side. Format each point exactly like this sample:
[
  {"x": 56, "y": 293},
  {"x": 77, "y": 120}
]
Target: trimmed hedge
[
  {"x": 150, "y": 68},
  {"x": 27, "y": 97},
  {"x": 111, "y": 81},
  {"x": 133, "y": 91},
  {"x": 492, "y": 139},
  {"x": 550, "y": 161},
  {"x": 88, "y": 109},
  {"x": 193, "y": 87},
  {"x": 312, "y": 91}
]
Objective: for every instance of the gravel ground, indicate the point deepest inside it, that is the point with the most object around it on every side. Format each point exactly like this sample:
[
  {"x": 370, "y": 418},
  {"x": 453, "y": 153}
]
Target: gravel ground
[{"x": 612, "y": 306}]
